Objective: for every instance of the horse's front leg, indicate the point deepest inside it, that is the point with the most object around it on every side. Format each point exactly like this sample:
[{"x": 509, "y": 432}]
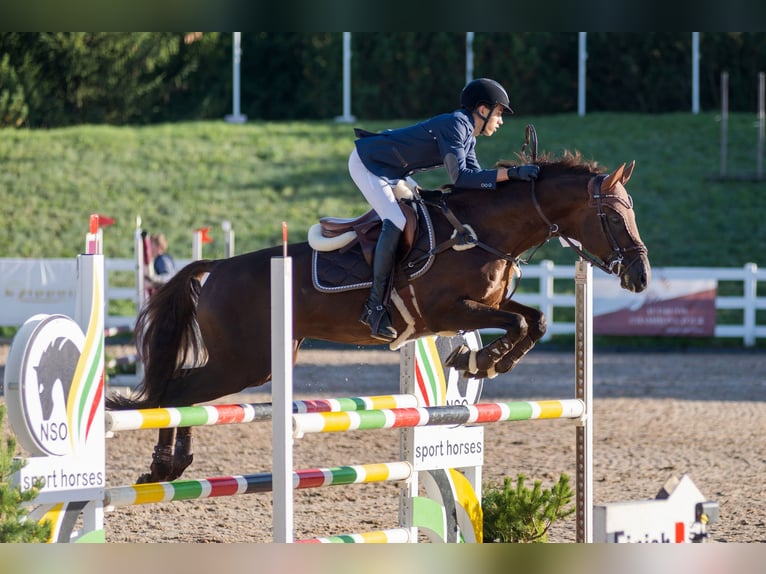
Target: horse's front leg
[
  {"x": 536, "y": 327},
  {"x": 482, "y": 363}
]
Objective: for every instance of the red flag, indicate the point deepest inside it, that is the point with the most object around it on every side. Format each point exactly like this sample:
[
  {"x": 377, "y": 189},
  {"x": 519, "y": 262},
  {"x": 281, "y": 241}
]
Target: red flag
[
  {"x": 204, "y": 235},
  {"x": 104, "y": 220}
]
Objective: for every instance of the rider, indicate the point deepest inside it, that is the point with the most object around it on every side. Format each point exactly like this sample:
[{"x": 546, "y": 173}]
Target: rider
[{"x": 380, "y": 160}]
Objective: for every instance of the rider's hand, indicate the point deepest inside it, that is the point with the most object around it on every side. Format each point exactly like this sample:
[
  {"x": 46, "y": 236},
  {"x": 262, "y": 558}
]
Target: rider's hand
[{"x": 526, "y": 172}]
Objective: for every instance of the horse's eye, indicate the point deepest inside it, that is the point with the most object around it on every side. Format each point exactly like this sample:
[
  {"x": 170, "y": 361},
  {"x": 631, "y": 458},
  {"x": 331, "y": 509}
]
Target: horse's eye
[{"x": 615, "y": 219}]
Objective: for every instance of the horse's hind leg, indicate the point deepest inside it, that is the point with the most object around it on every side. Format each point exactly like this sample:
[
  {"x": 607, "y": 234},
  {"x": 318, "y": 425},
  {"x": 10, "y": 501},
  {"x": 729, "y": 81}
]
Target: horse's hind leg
[
  {"x": 182, "y": 452},
  {"x": 172, "y": 454},
  {"x": 162, "y": 458}
]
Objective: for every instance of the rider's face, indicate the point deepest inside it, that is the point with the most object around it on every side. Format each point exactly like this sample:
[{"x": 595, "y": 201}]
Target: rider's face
[{"x": 494, "y": 121}]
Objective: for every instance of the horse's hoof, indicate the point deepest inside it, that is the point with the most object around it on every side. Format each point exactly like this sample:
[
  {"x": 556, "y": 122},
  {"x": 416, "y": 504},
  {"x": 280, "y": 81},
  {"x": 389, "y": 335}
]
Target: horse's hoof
[
  {"x": 458, "y": 358},
  {"x": 180, "y": 463},
  {"x": 144, "y": 478},
  {"x": 477, "y": 375}
]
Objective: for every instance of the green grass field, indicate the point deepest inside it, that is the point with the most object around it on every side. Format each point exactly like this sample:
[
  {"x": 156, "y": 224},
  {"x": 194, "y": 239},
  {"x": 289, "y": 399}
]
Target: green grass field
[
  {"x": 181, "y": 176},
  {"x": 178, "y": 177}
]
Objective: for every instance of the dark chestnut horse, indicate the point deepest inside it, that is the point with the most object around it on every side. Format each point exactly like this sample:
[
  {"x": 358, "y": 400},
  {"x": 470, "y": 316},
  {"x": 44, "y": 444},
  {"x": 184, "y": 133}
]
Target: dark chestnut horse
[{"x": 201, "y": 341}]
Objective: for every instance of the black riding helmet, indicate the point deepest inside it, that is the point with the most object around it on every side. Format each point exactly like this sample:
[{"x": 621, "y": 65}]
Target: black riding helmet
[{"x": 484, "y": 91}]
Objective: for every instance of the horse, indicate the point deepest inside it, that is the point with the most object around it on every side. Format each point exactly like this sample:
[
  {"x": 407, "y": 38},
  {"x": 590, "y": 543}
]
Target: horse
[{"x": 201, "y": 341}]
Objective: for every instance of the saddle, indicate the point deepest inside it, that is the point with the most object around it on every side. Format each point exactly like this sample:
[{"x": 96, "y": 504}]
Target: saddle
[
  {"x": 366, "y": 230},
  {"x": 344, "y": 248}
]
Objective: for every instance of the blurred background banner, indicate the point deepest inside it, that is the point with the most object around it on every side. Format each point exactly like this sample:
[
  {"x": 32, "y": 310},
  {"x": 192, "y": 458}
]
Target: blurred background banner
[
  {"x": 669, "y": 307},
  {"x": 31, "y": 286}
]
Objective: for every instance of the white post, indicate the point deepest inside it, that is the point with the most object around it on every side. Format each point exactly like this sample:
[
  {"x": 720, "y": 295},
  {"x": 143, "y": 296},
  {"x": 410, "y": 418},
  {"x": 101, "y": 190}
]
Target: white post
[
  {"x": 695, "y": 72},
  {"x": 750, "y": 286},
  {"x": 547, "y": 292},
  {"x": 468, "y": 57},
  {"x": 346, "y": 117},
  {"x": 90, "y": 309},
  {"x": 228, "y": 239},
  {"x": 724, "y": 120},
  {"x": 282, "y": 396},
  {"x": 583, "y": 56},
  {"x": 236, "y": 117},
  {"x": 761, "y": 118},
  {"x": 584, "y": 392},
  {"x": 196, "y": 245},
  {"x": 408, "y": 490}
]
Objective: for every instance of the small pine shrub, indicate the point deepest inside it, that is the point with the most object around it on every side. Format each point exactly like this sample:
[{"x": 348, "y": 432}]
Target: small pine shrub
[
  {"x": 14, "y": 526},
  {"x": 520, "y": 514}
]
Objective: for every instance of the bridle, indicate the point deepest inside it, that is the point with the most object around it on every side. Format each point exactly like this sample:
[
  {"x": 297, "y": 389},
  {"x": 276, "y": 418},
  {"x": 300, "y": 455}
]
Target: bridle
[{"x": 614, "y": 262}]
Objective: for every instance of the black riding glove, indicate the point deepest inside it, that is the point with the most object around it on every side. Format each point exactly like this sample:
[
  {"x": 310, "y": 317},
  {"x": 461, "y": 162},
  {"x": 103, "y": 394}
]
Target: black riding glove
[{"x": 526, "y": 172}]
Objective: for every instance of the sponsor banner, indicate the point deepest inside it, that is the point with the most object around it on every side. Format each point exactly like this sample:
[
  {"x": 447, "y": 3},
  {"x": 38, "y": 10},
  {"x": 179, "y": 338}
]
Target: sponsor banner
[
  {"x": 32, "y": 286},
  {"x": 448, "y": 447},
  {"x": 669, "y": 307}
]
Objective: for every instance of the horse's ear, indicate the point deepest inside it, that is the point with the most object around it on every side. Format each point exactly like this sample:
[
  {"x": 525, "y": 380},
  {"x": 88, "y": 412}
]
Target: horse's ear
[
  {"x": 612, "y": 178},
  {"x": 627, "y": 173}
]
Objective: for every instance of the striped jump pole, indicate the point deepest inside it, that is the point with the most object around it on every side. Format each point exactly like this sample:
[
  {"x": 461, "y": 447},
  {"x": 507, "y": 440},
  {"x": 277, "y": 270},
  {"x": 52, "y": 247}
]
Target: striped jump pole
[
  {"x": 432, "y": 416},
  {"x": 151, "y": 493},
  {"x": 390, "y": 536},
  {"x": 242, "y": 413}
]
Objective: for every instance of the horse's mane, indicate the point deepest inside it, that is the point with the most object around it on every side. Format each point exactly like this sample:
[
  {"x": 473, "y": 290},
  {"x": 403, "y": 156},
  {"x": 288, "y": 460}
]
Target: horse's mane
[{"x": 570, "y": 162}]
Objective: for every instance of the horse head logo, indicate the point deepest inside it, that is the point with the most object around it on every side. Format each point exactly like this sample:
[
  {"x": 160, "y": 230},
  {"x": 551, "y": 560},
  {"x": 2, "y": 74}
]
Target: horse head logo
[{"x": 58, "y": 362}]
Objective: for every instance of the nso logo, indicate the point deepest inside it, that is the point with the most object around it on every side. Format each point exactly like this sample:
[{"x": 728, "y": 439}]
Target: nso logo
[{"x": 38, "y": 377}]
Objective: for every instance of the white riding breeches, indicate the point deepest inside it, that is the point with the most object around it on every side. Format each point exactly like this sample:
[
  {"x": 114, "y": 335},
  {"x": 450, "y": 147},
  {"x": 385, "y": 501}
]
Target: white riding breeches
[{"x": 376, "y": 190}]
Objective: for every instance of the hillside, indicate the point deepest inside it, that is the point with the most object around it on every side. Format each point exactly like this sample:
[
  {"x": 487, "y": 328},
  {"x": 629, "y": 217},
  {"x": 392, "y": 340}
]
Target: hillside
[{"x": 182, "y": 176}]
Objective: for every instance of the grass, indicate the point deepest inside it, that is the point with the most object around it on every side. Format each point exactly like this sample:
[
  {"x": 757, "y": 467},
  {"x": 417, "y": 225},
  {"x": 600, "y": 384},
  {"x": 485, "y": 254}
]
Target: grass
[{"x": 178, "y": 177}]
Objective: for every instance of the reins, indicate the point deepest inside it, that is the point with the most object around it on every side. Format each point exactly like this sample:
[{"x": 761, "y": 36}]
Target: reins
[{"x": 463, "y": 236}]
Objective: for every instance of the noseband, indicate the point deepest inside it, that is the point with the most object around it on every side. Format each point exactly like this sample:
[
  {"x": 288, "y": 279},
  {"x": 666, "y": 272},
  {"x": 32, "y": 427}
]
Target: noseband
[{"x": 614, "y": 263}]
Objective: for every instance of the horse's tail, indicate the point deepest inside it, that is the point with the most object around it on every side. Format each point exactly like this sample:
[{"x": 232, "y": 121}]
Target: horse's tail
[{"x": 167, "y": 336}]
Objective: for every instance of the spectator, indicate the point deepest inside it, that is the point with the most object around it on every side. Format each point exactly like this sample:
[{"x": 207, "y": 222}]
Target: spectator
[{"x": 161, "y": 264}]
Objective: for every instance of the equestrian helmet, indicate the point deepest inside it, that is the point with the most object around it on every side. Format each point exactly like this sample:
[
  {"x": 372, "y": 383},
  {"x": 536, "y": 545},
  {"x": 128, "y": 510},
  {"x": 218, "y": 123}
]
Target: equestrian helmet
[{"x": 484, "y": 91}]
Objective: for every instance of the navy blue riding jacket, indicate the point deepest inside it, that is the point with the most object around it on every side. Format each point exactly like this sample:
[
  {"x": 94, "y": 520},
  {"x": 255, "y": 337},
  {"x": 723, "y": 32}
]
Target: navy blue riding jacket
[{"x": 444, "y": 140}]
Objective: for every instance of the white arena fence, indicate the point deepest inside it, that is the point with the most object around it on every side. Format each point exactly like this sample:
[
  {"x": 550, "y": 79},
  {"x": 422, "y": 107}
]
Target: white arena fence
[{"x": 27, "y": 282}]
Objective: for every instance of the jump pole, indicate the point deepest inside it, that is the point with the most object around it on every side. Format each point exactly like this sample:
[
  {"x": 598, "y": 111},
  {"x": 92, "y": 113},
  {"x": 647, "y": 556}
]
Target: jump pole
[{"x": 282, "y": 393}]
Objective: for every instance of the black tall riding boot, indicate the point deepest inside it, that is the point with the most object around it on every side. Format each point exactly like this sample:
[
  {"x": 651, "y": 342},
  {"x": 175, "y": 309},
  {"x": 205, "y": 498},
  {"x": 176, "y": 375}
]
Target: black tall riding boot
[{"x": 376, "y": 315}]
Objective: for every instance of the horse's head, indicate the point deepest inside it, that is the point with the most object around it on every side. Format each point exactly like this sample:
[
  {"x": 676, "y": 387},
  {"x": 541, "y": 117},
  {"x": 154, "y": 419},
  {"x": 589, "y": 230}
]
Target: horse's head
[
  {"x": 603, "y": 222},
  {"x": 608, "y": 230}
]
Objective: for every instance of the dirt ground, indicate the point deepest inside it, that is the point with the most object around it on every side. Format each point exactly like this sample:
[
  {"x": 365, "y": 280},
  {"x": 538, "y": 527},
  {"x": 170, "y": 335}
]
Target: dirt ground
[{"x": 656, "y": 415}]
